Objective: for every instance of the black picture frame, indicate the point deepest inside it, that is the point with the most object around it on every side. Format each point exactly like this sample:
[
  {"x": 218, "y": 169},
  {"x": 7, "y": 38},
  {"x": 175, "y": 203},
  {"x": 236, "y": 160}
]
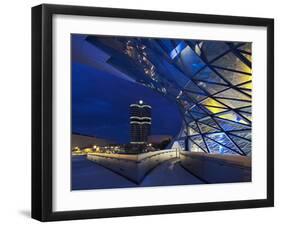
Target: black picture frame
[{"x": 42, "y": 107}]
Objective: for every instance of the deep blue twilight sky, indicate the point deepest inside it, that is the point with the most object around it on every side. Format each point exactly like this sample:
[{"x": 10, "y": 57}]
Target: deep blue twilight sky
[{"x": 101, "y": 99}]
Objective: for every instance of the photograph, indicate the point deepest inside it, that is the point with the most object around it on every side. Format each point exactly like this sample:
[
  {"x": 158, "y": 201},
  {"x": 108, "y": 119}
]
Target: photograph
[
  {"x": 158, "y": 111},
  {"x": 141, "y": 112}
]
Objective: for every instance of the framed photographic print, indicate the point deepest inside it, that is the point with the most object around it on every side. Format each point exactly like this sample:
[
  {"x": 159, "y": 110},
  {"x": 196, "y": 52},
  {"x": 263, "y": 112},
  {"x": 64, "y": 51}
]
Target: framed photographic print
[{"x": 145, "y": 112}]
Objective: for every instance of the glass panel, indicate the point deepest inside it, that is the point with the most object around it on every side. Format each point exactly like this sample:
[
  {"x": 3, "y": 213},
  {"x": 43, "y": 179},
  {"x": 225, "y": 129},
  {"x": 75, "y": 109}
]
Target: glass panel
[
  {"x": 233, "y": 77},
  {"x": 199, "y": 141},
  {"x": 211, "y": 88},
  {"x": 193, "y": 147},
  {"x": 197, "y": 115},
  {"x": 213, "y": 49},
  {"x": 215, "y": 148},
  {"x": 246, "y": 86},
  {"x": 209, "y": 121},
  {"x": 194, "y": 126},
  {"x": 246, "y": 109},
  {"x": 187, "y": 119},
  {"x": 234, "y": 103},
  {"x": 196, "y": 109},
  {"x": 229, "y": 126},
  {"x": 223, "y": 139},
  {"x": 245, "y": 134},
  {"x": 247, "y": 115},
  {"x": 246, "y": 47},
  {"x": 247, "y": 91},
  {"x": 206, "y": 129},
  {"x": 176, "y": 51},
  {"x": 230, "y": 61},
  {"x": 185, "y": 104},
  {"x": 212, "y": 102},
  {"x": 214, "y": 110},
  {"x": 191, "y": 131},
  {"x": 189, "y": 61},
  {"x": 231, "y": 115},
  {"x": 245, "y": 145},
  {"x": 232, "y": 93},
  {"x": 191, "y": 86},
  {"x": 208, "y": 75},
  {"x": 196, "y": 97},
  {"x": 249, "y": 57},
  {"x": 198, "y": 50}
]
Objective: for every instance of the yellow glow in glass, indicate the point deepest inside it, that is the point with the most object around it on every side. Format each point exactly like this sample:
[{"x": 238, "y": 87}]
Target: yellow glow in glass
[
  {"x": 212, "y": 102},
  {"x": 215, "y": 110},
  {"x": 233, "y": 117},
  {"x": 247, "y": 85}
]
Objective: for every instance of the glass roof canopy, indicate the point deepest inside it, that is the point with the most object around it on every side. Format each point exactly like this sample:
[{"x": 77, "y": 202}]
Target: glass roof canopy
[{"x": 211, "y": 81}]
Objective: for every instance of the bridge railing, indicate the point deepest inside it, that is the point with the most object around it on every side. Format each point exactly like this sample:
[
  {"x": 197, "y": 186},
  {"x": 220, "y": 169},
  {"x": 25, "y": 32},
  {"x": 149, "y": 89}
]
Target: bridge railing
[{"x": 132, "y": 166}]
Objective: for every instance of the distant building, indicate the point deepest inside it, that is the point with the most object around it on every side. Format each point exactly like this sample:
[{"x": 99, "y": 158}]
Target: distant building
[
  {"x": 157, "y": 139},
  {"x": 140, "y": 120},
  {"x": 84, "y": 141}
]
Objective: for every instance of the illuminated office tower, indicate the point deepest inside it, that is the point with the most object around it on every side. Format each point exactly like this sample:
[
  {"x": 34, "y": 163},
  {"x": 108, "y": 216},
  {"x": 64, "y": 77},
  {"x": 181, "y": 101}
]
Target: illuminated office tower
[{"x": 140, "y": 120}]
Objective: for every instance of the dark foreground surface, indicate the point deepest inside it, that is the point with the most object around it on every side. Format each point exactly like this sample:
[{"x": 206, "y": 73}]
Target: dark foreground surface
[{"x": 89, "y": 175}]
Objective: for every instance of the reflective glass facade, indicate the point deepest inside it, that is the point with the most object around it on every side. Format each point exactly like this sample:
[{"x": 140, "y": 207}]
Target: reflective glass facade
[{"x": 211, "y": 81}]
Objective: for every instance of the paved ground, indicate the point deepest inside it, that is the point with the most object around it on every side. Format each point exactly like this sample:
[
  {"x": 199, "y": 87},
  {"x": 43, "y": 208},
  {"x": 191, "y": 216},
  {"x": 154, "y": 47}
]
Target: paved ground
[
  {"x": 89, "y": 175},
  {"x": 169, "y": 173}
]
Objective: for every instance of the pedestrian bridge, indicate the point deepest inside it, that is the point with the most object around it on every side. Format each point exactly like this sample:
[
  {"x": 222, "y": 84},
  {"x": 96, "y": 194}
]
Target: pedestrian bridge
[{"x": 208, "y": 168}]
